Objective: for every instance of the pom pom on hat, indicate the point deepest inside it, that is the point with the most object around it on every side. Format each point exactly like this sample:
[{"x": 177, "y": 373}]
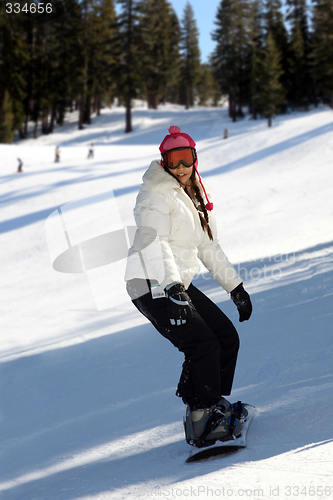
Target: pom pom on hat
[{"x": 174, "y": 129}]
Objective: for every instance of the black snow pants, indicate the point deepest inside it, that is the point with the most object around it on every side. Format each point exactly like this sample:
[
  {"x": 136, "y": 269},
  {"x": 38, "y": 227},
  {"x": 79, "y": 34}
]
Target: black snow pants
[{"x": 210, "y": 344}]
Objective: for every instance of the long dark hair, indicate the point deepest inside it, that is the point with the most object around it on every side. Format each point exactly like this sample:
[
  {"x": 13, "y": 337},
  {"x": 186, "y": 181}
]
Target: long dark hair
[{"x": 198, "y": 202}]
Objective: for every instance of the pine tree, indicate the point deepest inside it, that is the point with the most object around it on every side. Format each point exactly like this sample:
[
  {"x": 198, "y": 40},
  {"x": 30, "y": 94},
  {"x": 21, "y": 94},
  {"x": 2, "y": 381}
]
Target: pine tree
[
  {"x": 13, "y": 59},
  {"x": 274, "y": 23},
  {"x": 84, "y": 52},
  {"x": 207, "y": 87},
  {"x": 256, "y": 35},
  {"x": 299, "y": 52},
  {"x": 104, "y": 60},
  {"x": 129, "y": 54},
  {"x": 55, "y": 68},
  {"x": 270, "y": 94},
  {"x": 173, "y": 60},
  {"x": 99, "y": 53},
  {"x": 297, "y": 13},
  {"x": 65, "y": 68},
  {"x": 231, "y": 55},
  {"x": 322, "y": 49},
  {"x": 6, "y": 119},
  {"x": 159, "y": 30},
  {"x": 190, "y": 54}
]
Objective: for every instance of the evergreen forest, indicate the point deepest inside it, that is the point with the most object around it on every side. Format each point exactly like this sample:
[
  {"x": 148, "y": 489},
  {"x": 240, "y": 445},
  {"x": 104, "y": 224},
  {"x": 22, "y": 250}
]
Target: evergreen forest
[{"x": 269, "y": 57}]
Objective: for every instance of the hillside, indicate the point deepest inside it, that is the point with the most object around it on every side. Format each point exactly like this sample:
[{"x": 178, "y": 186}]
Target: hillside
[{"x": 87, "y": 404}]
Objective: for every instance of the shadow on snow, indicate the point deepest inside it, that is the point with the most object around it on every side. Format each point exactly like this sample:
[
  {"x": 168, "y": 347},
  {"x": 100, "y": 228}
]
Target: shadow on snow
[{"x": 64, "y": 402}]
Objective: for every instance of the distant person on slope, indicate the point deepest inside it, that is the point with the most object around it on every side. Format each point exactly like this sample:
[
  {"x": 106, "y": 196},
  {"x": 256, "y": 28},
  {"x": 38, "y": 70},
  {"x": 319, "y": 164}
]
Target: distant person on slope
[
  {"x": 91, "y": 150},
  {"x": 176, "y": 227},
  {"x": 20, "y": 165},
  {"x": 57, "y": 155}
]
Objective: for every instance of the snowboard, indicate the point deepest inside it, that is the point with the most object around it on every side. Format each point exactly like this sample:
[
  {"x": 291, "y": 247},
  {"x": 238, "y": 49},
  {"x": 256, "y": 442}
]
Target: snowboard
[{"x": 231, "y": 444}]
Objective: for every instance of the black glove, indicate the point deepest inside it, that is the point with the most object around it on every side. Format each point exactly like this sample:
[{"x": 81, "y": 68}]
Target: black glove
[
  {"x": 243, "y": 302},
  {"x": 180, "y": 307}
]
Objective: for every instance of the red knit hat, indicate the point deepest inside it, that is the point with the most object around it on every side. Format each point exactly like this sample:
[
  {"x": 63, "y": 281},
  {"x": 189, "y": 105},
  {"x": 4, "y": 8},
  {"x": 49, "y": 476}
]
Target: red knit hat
[{"x": 177, "y": 139}]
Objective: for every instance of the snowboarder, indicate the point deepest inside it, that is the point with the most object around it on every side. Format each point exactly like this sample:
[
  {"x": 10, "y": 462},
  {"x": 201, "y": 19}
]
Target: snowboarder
[
  {"x": 91, "y": 150},
  {"x": 171, "y": 205},
  {"x": 20, "y": 165},
  {"x": 57, "y": 154}
]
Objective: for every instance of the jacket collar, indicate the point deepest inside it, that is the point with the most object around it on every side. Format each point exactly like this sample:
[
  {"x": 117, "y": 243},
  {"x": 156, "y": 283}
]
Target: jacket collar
[{"x": 157, "y": 179}]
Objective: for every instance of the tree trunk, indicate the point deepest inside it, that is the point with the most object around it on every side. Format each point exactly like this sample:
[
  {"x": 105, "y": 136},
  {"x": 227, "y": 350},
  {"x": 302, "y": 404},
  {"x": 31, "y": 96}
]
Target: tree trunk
[
  {"x": 128, "y": 113},
  {"x": 153, "y": 100},
  {"x": 45, "y": 124},
  {"x": 188, "y": 97},
  {"x": 53, "y": 117},
  {"x": 87, "y": 110},
  {"x": 233, "y": 108},
  {"x": 36, "y": 129},
  {"x": 25, "y": 130},
  {"x": 84, "y": 74},
  {"x": 174, "y": 93},
  {"x": 81, "y": 112},
  {"x": 165, "y": 93},
  {"x": 98, "y": 105}
]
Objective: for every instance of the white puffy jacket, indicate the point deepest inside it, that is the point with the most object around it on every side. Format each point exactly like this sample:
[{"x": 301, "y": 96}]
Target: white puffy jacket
[{"x": 164, "y": 210}]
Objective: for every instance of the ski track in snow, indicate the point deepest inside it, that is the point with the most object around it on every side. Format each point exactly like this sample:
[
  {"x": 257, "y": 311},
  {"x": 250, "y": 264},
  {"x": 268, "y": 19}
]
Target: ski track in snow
[{"x": 87, "y": 404}]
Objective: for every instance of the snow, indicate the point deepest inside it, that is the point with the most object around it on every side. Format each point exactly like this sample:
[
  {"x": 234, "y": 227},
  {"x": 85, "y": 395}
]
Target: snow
[{"x": 87, "y": 404}]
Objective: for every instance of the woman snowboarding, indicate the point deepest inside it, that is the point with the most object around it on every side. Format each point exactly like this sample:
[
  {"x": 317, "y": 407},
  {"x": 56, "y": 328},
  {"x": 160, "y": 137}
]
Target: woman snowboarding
[{"x": 176, "y": 228}]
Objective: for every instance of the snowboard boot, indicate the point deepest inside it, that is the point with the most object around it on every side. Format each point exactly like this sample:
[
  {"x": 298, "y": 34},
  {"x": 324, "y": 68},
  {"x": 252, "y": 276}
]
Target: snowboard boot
[{"x": 205, "y": 426}]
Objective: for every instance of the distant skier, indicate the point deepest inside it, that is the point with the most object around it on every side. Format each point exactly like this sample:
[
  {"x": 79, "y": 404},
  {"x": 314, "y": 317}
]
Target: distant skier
[
  {"x": 20, "y": 165},
  {"x": 91, "y": 150},
  {"x": 173, "y": 208},
  {"x": 57, "y": 155}
]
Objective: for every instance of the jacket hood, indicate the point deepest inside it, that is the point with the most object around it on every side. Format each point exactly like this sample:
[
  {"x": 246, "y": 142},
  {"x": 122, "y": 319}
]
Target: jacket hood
[{"x": 157, "y": 179}]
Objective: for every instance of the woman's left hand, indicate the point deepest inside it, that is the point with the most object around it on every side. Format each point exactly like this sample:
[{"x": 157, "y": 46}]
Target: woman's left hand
[{"x": 242, "y": 301}]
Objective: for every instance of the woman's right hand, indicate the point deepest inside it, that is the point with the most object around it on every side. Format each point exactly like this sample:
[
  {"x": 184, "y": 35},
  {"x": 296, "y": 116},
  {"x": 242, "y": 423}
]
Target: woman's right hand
[{"x": 180, "y": 308}]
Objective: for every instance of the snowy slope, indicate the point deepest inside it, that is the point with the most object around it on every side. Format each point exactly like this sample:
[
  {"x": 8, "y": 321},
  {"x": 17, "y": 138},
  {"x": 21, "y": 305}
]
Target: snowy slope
[{"x": 87, "y": 405}]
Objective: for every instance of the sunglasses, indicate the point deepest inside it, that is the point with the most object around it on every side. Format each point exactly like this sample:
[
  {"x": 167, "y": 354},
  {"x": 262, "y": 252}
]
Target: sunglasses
[{"x": 173, "y": 158}]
